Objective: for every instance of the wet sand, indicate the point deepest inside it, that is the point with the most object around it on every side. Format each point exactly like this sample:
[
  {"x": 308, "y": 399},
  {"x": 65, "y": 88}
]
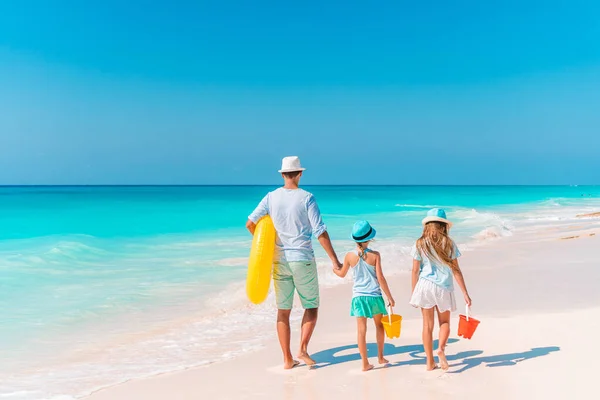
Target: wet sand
[{"x": 538, "y": 301}]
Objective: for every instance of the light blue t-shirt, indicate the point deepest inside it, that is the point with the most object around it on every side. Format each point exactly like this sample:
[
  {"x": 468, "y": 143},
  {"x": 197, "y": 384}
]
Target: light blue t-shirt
[
  {"x": 297, "y": 219},
  {"x": 435, "y": 270}
]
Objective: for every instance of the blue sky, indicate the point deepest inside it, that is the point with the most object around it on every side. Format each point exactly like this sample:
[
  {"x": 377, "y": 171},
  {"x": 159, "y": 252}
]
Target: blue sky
[{"x": 365, "y": 92}]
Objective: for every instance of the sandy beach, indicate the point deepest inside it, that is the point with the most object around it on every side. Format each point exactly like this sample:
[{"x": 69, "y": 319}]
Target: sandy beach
[
  {"x": 142, "y": 146},
  {"x": 535, "y": 294}
]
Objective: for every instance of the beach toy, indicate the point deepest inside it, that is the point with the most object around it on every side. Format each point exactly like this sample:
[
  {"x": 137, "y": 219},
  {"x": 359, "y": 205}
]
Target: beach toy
[
  {"x": 467, "y": 325},
  {"x": 261, "y": 261},
  {"x": 392, "y": 324}
]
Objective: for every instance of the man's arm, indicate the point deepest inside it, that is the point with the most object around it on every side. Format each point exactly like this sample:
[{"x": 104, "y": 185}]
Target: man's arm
[
  {"x": 342, "y": 272},
  {"x": 251, "y": 226},
  {"x": 261, "y": 210},
  {"x": 320, "y": 230},
  {"x": 328, "y": 247}
]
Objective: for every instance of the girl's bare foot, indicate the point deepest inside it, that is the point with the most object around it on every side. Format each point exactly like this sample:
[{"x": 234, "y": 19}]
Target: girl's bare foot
[
  {"x": 290, "y": 364},
  {"x": 306, "y": 358},
  {"x": 432, "y": 367},
  {"x": 367, "y": 367},
  {"x": 443, "y": 361},
  {"x": 383, "y": 360}
]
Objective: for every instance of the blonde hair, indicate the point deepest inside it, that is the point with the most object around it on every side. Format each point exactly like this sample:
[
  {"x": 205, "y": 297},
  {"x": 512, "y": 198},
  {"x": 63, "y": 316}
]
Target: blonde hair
[
  {"x": 436, "y": 243},
  {"x": 361, "y": 249}
]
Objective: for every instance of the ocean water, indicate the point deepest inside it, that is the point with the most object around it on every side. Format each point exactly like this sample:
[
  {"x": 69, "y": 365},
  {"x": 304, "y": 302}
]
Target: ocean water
[{"x": 102, "y": 284}]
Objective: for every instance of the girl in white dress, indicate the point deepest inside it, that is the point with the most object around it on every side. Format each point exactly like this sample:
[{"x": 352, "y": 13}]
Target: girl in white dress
[{"x": 435, "y": 263}]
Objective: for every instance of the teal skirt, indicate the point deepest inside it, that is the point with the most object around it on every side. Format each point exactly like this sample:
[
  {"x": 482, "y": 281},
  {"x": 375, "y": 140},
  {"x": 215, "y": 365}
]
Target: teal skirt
[{"x": 367, "y": 306}]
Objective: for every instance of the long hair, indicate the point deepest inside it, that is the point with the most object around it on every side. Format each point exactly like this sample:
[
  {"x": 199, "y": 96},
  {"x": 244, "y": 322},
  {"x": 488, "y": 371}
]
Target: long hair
[
  {"x": 361, "y": 249},
  {"x": 435, "y": 243}
]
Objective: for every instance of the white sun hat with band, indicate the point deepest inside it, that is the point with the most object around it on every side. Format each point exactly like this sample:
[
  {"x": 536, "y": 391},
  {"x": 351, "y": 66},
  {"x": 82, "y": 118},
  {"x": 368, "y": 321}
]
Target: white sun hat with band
[
  {"x": 291, "y": 164},
  {"x": 437, "y": 215}
]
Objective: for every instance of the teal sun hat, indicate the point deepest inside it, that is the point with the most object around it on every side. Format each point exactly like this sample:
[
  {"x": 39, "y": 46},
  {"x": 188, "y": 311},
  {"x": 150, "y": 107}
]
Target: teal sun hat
[
  {"x": 363, "y": 232},
  {"x": 436, "y": 214}
]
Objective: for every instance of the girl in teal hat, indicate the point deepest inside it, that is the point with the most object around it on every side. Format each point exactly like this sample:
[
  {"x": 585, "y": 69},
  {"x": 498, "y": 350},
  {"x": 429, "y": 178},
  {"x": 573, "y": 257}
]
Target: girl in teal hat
[{"x": 367, "y": 299}]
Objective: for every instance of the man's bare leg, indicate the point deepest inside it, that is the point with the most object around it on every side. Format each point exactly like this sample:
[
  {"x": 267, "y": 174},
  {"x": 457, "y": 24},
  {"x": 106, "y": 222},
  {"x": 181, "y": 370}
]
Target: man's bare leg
[
  {"x": 309, "y": 321},
  {"x": 284, "y": 334}
]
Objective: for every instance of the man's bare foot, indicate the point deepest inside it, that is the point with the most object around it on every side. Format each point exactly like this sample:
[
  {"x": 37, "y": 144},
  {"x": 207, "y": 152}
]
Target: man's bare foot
[
  {"x": 432, "y": 367},
  {"x": 443, "y": 361},
  {"x": 306, "y": 358},
  {"x": 367, "y": 367},
  {"x": 290, "y": 364},
  {"x": 383, "y": 360}
]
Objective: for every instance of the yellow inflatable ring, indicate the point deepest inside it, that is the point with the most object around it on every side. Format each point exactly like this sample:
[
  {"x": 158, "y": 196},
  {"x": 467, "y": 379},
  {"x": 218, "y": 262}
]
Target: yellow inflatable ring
[{"x": 260, "y": 263}]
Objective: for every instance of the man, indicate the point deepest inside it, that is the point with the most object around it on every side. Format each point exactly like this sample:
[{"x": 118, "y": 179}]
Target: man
[{"x": 297, "y": 219}]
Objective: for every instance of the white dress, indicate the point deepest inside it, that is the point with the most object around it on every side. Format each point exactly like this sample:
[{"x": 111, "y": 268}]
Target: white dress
[
  {"x": 435, "y": 287},
  {"x": 428, "y": 295}
]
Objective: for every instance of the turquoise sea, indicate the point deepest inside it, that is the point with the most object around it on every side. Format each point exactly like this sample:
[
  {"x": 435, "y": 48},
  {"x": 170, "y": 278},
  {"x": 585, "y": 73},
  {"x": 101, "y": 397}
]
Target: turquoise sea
[{"x": 102, "y": 284}]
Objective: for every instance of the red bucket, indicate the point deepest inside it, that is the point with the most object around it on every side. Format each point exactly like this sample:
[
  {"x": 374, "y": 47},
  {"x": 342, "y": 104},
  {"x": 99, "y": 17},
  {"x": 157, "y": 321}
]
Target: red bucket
[{"x": 467, "y": 325}]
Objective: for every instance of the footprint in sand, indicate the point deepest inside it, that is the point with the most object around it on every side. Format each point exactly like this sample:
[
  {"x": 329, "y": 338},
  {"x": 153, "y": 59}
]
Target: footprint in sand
[
  {"x": 359, "y": 371},
  {"x": 279, "y": 370},
  {"x": 420, "y": 369},
  {"x": 576, "y": 237}
]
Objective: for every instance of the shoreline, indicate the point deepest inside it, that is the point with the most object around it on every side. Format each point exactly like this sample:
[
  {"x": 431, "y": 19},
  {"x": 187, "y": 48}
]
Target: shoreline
[
  {"x": 335, "y": 328},
  {"x": 178, "y": 341}
]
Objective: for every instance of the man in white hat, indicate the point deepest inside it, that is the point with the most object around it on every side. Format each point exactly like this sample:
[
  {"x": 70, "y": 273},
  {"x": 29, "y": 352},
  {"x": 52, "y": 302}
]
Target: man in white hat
[{"x": 297, "y": 219}]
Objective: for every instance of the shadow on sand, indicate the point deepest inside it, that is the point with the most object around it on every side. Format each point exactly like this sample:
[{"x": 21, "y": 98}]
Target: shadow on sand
[
  {"x": 329, "y": 357},
  {"x": 501, "y": 360},
  {"x": 459, "y": 362}
]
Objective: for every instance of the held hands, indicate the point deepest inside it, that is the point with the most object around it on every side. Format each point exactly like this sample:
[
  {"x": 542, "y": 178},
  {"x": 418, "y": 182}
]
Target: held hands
[{"x": 337, "y": 268}]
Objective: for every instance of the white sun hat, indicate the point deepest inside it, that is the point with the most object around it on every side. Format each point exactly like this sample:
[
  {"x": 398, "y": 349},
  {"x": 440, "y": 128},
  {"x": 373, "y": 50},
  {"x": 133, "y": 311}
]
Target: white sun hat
[
  {"x": 436, "y": 214},
  {"x": 291, "y": 164}
]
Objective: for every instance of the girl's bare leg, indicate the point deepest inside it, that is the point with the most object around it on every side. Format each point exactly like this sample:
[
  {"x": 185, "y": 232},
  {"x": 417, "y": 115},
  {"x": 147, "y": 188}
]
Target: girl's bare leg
[
  {"x": 380, "y": 338},
  {"x": 444, "y": 321},
  {"x": 361, "y": 324},
  {"x": 428, "y": 321}
]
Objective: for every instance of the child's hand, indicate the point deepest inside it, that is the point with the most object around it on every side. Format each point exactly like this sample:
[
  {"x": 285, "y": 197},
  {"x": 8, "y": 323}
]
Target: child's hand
[
  {"x": 392, "y": 302},
  {"x": 468, "y": 300}
]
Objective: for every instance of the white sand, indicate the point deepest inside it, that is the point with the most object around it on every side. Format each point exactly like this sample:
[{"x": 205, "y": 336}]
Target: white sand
[{"x": 538, "y": 298}]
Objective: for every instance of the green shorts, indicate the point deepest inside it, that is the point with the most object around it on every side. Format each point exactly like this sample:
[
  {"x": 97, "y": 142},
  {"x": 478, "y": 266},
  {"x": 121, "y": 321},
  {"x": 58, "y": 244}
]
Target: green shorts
[{"x": 299, "y": 275}]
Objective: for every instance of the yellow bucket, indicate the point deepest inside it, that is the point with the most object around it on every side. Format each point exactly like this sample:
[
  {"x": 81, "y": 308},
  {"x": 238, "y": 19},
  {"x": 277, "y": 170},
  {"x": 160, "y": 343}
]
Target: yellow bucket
[{"x": 392, "y": 324}]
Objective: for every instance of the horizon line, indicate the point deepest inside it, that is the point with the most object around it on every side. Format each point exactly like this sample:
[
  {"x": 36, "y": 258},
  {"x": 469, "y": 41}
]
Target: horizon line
[{"x": 308, "y": 185}]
